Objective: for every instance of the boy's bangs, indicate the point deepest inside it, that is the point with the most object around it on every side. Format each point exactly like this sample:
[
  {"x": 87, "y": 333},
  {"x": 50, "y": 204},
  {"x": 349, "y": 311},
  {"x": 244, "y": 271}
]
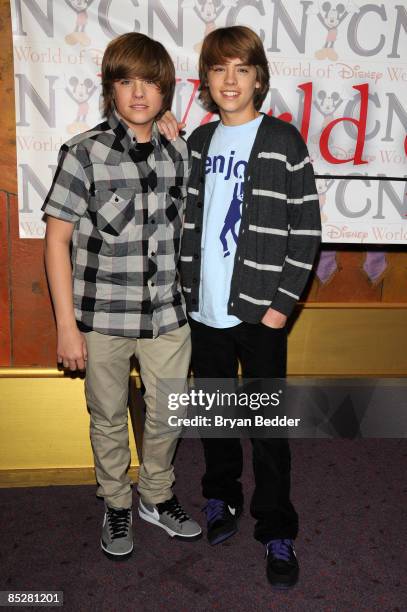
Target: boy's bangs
[
  {"x": 225, "y": 48},
  {"x": 139, "y": 63}
]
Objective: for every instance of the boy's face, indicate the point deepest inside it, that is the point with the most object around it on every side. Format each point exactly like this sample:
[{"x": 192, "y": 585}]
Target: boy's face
[
  {"x": 138, "y": 102},
  {"x": 232, "y": 86}
]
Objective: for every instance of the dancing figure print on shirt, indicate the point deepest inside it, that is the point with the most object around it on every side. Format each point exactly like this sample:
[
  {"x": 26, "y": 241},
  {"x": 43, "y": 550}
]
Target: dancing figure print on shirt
[{"x": 233, "y": 216}]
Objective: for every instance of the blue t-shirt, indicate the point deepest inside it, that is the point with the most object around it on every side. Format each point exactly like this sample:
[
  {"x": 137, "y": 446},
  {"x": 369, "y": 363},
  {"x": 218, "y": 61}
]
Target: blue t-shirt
[{"x": 225, "y": 167}]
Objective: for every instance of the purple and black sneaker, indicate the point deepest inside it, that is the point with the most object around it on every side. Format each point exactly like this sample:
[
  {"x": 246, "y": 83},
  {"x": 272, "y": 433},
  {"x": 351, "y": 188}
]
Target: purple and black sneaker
[
  {"x": 221, "y": 520},
  {"x": 282, "y": 564}
]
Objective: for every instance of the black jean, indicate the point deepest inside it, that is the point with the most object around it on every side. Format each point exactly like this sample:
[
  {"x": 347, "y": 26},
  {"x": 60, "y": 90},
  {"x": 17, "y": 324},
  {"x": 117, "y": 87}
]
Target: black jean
[{"x": 262, "y": 352}]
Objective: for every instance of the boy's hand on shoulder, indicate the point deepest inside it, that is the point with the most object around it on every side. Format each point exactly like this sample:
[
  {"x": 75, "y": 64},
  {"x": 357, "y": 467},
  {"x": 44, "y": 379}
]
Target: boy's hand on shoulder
[
  {"x": 274, "y": 319},
  {"x": 169, "y": 127},
  {"x": 71, "y": 349}
]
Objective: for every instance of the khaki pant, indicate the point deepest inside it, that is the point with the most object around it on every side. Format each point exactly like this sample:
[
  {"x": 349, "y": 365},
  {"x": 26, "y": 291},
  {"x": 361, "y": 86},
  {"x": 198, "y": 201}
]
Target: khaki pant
[{"x": 164, "y": 363}]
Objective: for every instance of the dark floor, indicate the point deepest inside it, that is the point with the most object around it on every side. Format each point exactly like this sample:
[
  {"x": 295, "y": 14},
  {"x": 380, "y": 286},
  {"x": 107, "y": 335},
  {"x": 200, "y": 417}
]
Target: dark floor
[{"x": 351, "y": 497}]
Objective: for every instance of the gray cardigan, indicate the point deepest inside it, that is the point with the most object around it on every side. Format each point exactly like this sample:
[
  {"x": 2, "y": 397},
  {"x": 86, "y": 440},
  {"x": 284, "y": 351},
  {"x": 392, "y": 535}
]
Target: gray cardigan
[{"x": 280, "y": 229}]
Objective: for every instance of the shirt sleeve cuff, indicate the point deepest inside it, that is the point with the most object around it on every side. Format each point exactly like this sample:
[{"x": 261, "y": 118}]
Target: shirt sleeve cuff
[
  {"x": 283, "y": 303},
  {"x": 58, "y": 213}
]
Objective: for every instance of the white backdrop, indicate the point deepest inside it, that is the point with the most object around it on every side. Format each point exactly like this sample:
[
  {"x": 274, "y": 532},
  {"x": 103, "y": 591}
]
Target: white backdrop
[{"x": 328, "y": 61}]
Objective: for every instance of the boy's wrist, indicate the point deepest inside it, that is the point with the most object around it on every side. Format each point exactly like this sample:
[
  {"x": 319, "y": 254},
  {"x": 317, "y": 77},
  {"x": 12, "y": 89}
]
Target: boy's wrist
[
  {"x": 67, "y": 326},
  {"x": 274, "y": 318}
]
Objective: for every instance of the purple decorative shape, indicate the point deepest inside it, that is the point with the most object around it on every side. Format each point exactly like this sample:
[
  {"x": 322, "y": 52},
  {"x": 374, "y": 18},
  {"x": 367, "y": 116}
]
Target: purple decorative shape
[
  {"x": 375, "y": 264},
  {"x": 327, "y": 266}
]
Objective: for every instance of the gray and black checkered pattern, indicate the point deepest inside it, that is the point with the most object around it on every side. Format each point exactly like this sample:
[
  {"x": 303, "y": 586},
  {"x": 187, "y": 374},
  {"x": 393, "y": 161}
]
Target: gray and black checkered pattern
[{"x": 126, "y": 200}]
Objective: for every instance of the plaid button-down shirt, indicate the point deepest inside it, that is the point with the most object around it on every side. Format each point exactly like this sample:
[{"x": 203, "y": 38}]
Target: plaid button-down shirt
[{"x": 126, "y": 201}]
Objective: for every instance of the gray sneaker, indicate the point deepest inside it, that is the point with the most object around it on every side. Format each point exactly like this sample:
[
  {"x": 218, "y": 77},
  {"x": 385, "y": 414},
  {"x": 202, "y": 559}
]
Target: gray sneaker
[
  {"x": 117, "y": 533},
  {"x": 170, "y": 516}
]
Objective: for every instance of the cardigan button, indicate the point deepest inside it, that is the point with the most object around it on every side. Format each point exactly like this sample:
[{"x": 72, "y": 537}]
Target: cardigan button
[
  {"x": 196, "y": 256},
  {"x": 199, "y": 204}
]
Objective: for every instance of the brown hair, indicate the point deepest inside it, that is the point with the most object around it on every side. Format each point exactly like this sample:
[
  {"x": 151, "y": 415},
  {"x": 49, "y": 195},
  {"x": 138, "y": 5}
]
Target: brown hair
[
  {"x": 134, "y": 55},
  {"x": 228, "y": 43}
]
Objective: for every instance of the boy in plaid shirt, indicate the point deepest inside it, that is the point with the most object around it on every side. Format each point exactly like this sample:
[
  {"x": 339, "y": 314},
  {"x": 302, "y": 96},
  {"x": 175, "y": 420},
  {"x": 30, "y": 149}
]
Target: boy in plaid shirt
[{"x": 117, "y": 199}]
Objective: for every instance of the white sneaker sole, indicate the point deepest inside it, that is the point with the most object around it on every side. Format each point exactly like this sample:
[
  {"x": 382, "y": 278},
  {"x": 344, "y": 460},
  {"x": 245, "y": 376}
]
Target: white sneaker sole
[{"x": 171, "y": 533}]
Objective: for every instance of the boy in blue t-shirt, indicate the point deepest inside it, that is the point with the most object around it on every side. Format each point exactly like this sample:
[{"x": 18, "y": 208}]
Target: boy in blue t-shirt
[{"x": 251, "y": 232}]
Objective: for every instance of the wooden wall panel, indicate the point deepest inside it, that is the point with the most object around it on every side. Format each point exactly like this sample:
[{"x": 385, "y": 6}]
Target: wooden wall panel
[
  {"x": 8, "y": 175},
  {"x": 8, "y": 178},
  {"x": 350, "y": 282},
  {"x": 395, "y": 279},
  {"x": 33, "y": 324},
  {"x": 5, "y": 302}
]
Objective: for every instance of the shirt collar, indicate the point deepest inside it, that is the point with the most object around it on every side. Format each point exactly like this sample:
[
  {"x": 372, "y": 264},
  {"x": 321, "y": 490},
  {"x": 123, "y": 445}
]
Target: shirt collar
[{"x": 126, "y": 136}]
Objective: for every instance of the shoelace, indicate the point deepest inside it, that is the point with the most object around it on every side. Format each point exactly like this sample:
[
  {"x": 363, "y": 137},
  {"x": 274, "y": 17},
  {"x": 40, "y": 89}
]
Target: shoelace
[
  {"x": 280, "y": 549},
  {"x": 174, "y": 509},
  {"x": 118, "y": 521},
  {"x": 215, "y": 510}
]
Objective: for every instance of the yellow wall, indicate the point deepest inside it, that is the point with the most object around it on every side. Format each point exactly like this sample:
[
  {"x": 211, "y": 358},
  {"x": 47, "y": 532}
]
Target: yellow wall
[
  {"x": 349, "y": 340},
  {"x": 45, "y": 426}
]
